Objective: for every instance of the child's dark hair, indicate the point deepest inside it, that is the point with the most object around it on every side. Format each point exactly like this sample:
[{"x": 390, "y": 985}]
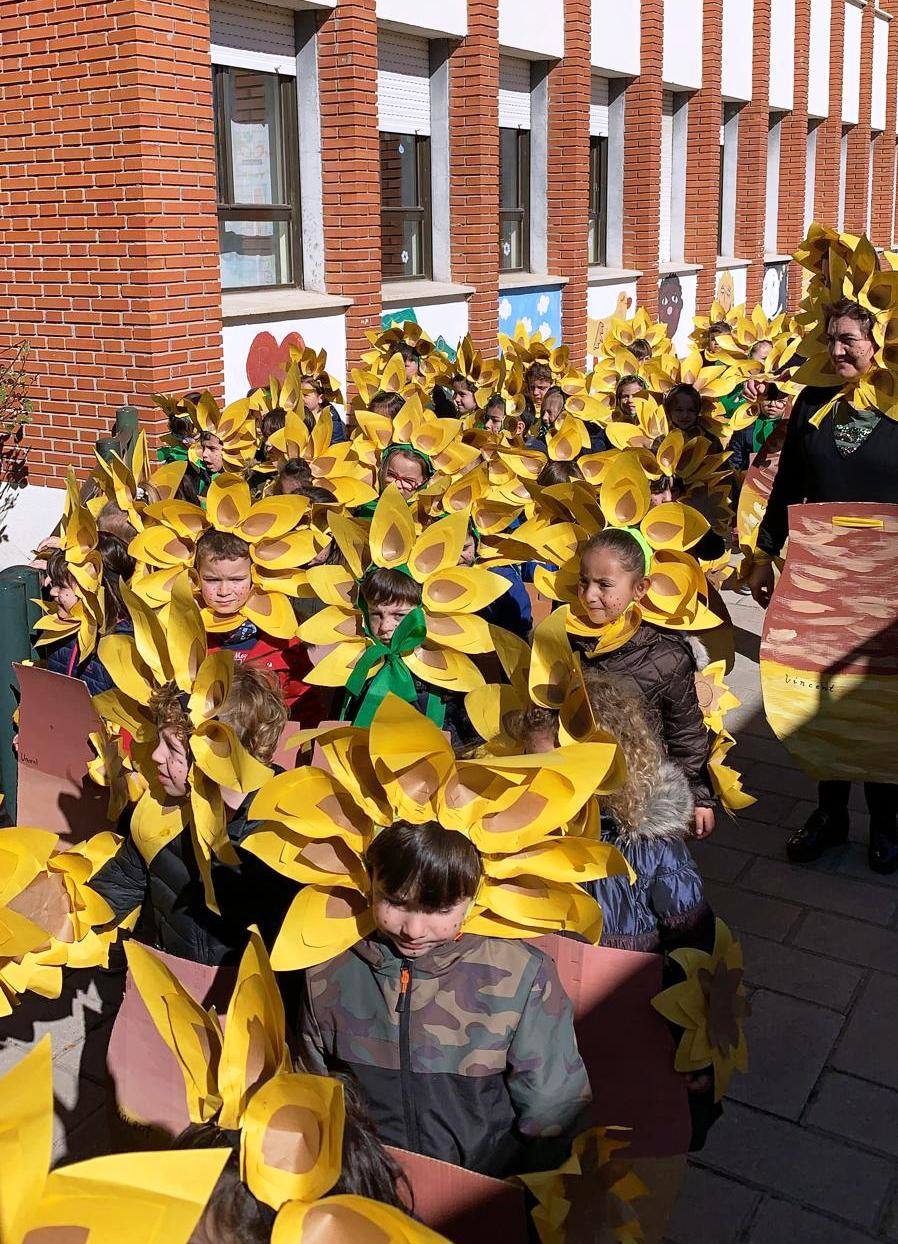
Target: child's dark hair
[
  {"x": 408, "y": 353},
  {"x": 181, "y": 427},
  {"x": 558, "y": 473},
  {"x": 424, "y": 867},
  {"x": 495, "y": 402},
  {"x": 189, "y": 488},
  {"x": 468, "y": 385},
  {"x": 385, "y": 586},
  {"x": 388, "y": 404},
  {"x": 531, "y": 723},
  {"x": 554, "y": 392},
  {"x": 640, "y": 349},
  {"x": 207, "y": 436},
  {"x": 214, "y": 544},
  {"x": 294, "y": 476},
  {"x": 625, "y": 380},
  {"x": 718, "y": 328},
  {"x": 118, "y": 564},
  {"x": 272, "y": 421},
  {"x": 690, "y": 391},
  {"x": 443, "y": 404},
  {"x": 625, "y": 547},
  {"x": 537, "y": 371}
]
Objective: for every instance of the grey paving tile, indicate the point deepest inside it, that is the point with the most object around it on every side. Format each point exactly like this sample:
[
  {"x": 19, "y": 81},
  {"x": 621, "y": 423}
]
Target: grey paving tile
[
  {"x": 799, "y": 973},
  {"x": 868, "y": 1047},
  {"x": 850, "y": 860},
  {"x": 782, "y": 1073},
  {"x": 710, "y": 1207},
  {"x": 854, "y": 941},
  {"x": 753, "y": 836},
  {"x": 781, "y": 1222},
  {"x": 752, "y": 913},
  {"x": 811, "y": 887},
  {"x": 718, "y": 862},
  {"x": 780, "y": 779},
  {"x": 856, "y": 1110},
  {"x": 818, "y": 1171},
  {"x": 770, "y": 809}
]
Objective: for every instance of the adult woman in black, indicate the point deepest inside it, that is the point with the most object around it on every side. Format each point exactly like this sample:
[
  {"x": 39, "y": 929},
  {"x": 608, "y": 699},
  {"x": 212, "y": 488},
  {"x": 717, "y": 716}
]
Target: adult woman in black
[{"x": 851, "y": 456}]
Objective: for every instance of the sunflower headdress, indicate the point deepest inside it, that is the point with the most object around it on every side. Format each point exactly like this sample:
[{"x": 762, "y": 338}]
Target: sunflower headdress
[
  {"x": 240, "y": 1077},
  {"x": 747, "y": 331},
  {"x": 336, "y": 468},
  {"x": 433, "y": 641},
  {"x": 621, "y": 333},
  {"x": 712, "y": 381},
  {"x": 417, "y": 430},
  {"x": 124, "y": 1198},
  {"x": 234, "y": 425},
  {"x": 384, "y": 345},
  {"x": 718, "y": 314},
  {"x": 78, "y": 542},
  {"x": 526, "y": 348},
  {"x": 319, "y": 821},
  {"x": 710, "y": 1006},
  {"x": 142, "y": 663},
  {"x": 280, "y": 538},
  {"x": 133, "y": 487}
]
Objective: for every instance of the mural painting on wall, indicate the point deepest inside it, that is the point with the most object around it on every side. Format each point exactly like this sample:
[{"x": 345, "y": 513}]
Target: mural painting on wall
[
  {"x": 596, "y": 329},
  {"x": 725, "y": 291},
  {"x": 408, "y": 316},
  {"x": 775, "y": 290},
  {"x": 670, "y": 302},
  {"x": 538, "y": 309},
  {"x": 268, "y": 357}
]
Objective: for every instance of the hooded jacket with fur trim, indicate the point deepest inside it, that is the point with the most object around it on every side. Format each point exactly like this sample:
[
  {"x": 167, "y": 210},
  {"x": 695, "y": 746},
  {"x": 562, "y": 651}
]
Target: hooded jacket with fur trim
[{"x": 666, "y": 904}]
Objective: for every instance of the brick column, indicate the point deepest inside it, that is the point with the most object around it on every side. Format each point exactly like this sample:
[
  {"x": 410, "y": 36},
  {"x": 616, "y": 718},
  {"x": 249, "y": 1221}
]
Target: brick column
[
  {"x": 350, "y": 164},
  {"x": 884, "y": 153},
  {"x": 107, "y": 204},
  {"x": 568, "y": 205},
  {"x": 642, "y": 159},
  {"x": 829, "y": 131},
  {"x": 703, "y": 161},
  {"x": 794, "y": 154},
  {"x": 474, "y": 168},
  {"x": 857, "y": 166},
  {"x": 752, "y": 171}
]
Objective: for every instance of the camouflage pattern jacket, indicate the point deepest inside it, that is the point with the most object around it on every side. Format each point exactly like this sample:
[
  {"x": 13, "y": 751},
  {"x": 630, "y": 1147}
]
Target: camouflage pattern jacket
[{"x": 466, "y": 1054}]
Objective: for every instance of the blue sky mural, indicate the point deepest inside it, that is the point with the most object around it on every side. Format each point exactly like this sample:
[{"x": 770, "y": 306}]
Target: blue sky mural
[{"x": 540, "y": 309}]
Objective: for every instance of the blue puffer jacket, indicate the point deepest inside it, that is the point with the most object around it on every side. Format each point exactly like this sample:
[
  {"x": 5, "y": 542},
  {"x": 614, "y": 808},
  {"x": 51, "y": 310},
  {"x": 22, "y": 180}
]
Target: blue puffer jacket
[
  {"x": 665, "y": 907},
  {"x": 64, "y": 658}
]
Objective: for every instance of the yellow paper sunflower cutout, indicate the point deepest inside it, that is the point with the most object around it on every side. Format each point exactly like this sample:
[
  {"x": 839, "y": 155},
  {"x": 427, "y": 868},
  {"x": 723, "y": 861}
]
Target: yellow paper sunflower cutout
[
  {"x": 437, "y": 441},
  {"x": 336, "y": 468},
  {"x": 710, "y": 1006},
  {"x": 317, "y": 823},
  {"x": 87, "y": 617},
  {"x": 133, "y": 487},
  {"x": 234, "y": 425},
  {"x": 621, "y": 333},
  {"x": 726, "y": 780}
]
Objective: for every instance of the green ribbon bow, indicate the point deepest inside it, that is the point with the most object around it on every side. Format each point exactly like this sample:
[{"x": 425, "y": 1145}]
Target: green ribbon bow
[{"x": 394, "y": 675}]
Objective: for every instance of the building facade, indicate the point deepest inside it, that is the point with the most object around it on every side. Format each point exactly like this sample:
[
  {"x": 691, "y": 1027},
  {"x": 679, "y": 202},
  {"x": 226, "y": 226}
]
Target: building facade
[{"x": 189, "y": 186}]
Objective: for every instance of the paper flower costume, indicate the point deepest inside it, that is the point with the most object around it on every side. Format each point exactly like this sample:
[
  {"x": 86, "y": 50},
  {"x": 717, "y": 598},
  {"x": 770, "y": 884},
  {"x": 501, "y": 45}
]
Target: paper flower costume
[
  {"x": 710, "y": 1006},
  {"x": 133, "y": 487},
  {"x": 417, "y": 431},
  {"x": 290, "y": 1124},
  {"x": 432, "y": 641},
  {"x": 234, "y": 425},
  {"x": 78, "y": 541},
  {"x": 336, "y": 468},
  {"x": 319, "y": 821},
  {"x": 621, "y": 334},
  {"x": 275, "y": 529},
  {"x": 125, "y": 1198},
  {"x": 146, "y": 661}
]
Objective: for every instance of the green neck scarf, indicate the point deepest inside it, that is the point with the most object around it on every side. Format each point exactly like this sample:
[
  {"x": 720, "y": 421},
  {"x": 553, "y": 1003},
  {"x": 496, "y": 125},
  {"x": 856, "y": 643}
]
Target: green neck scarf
[
  {"x": 394, "y": 675},
  {"x": 761, "y": 431}
]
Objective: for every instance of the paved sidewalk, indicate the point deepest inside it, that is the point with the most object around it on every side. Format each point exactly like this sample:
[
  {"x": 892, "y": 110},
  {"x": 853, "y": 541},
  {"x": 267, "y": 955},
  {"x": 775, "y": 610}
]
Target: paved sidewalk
[{"x": 807, "y": 1150}]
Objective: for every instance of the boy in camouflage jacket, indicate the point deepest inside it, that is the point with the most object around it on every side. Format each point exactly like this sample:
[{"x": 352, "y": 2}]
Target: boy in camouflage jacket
[{"x": 464, "y": 1045}]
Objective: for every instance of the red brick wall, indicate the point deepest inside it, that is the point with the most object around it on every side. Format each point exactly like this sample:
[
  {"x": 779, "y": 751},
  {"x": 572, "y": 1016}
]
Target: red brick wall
[
  {"x": 107, "y": 204},
  {"x": 474, "y": 168},
  {"x": 829, "y": 132},
  {"x": 703, "y": 159},
  {"x": 642, "y": 159},
  {"x": 568, "y": 206},
  {"x": 751, "y": 176},
  {"x": 350, "y": 155},
  {"x": 794, "y": 154},
  {"x": 857, "y": 166}
]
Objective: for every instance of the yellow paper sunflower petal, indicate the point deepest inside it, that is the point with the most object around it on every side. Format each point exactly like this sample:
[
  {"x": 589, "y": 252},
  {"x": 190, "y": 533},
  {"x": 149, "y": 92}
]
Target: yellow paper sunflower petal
[
  {"x": 349, "y": 1220},
  {"x": 320, "y": 924},
  {"x": 439, "y": 547},
  {"x": 392, "y": 532}
]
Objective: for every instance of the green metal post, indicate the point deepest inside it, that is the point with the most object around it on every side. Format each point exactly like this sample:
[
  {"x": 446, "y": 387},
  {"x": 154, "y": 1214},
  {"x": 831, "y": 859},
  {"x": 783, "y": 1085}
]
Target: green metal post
[{"x": 18, "y": 586}]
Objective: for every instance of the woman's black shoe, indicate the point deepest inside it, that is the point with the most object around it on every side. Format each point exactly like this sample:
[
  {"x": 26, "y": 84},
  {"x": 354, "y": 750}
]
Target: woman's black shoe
[
  {"x": 882, "y": 853},
  {"x": 822, "y": 830}
]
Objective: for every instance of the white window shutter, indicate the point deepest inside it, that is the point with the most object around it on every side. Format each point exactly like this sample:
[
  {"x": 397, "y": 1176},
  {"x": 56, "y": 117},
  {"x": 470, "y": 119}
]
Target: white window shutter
[
  {"x": 598, "y": 107},
  {"x": 403, "y": 84},
  {"x": 666, "y": 176},
  {"x": 514, "y": 93},
  {"x": 250, "y": 35}
]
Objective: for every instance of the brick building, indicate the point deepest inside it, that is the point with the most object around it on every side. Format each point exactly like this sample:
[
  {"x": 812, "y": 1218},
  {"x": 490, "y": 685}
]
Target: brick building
[{"x": 186, "y": 186}]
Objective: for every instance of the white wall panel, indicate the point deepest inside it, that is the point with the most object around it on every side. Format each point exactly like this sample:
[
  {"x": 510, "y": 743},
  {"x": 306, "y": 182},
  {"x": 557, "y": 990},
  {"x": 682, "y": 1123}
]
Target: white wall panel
[
  {"x": 738, "y": 20},
  {"x": 666, "y": 174},
  {"x": 818, "y": 59},
  {"x": 252, "y": 36},
  {"x": 851, "y": 64},
  {"x": 430, "y": 17},
  {"x": 533, "y": 28},
  {"x": 782, "y": 54},
  {"x": 881, "y": 29},
  {"x": 810, "y": 176},
  {"x": 598, "y": 107},
  {"x": 403, "y": 84},
  {"x": 514, "y": 93},
  {"x": 683, "y": 44},
  {"x": 616, "y": 36}
]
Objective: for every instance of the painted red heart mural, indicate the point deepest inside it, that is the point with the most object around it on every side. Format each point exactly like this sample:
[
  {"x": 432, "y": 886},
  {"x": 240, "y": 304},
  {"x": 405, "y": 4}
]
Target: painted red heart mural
[{"x": 267, "y": 358}]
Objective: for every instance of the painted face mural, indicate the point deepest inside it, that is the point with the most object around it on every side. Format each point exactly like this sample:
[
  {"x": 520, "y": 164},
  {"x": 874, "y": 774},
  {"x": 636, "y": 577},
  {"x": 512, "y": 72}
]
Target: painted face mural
[
  {"x": 670, "y": 303},
  {"x": 774, "y": 290}
]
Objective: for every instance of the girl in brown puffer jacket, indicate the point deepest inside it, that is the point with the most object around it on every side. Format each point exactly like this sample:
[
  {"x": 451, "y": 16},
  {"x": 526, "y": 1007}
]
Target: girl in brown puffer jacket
[{"x": 661, "y": 664}]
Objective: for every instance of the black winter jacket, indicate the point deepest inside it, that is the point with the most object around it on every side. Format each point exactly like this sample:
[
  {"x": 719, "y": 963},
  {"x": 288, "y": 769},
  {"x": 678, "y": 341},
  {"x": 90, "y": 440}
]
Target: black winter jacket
[
  {"x": 661, "y": 664},
  {"x": 169, "y": 890}
]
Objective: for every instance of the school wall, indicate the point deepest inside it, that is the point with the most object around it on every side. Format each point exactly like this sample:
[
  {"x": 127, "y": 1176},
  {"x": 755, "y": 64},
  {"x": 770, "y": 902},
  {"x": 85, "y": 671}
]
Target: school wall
[{"x": 108, "y": 203}]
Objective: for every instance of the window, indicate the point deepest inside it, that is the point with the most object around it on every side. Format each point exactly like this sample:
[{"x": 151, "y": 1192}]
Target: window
[
  {"x": 729, "y": 154},
  {"x": 843, "y": 172},
  {"x": 405, "y": 228},
  {"x": 674, "y": 131},
  {"x": 772, "y": 191},
  {"x": 810, "y": 174},
  {"x": 514, "y": 199},
  {"x": 598, "y": 200},
  {"x": 258, "y": 178}
]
